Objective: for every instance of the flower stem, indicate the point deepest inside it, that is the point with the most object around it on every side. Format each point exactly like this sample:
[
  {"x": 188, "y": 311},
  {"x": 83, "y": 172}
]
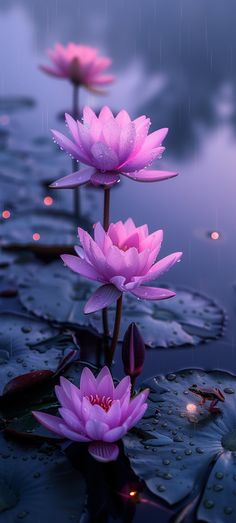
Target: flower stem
[
  {"x": 133, "y": 380},
  {"x": 105, "y": 323},
  {"x": 106, "y": 209},
  {"x": 75, "y": 164},
  {"x": 115, "y": 330}
]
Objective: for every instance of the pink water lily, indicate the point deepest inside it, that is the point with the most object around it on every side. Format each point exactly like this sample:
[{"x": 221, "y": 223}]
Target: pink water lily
[
  {"x": 111, "y": 146},
  {"x": 123, "y": 260},
  {"x": 80, "y": 64},
  {"x": 97, "y": 413}
]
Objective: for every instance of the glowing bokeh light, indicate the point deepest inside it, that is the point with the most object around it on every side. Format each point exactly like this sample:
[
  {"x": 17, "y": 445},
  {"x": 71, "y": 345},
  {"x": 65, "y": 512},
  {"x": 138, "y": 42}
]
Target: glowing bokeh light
[
  {"x": 214, "y": 235},
  {"x": 36, "y": 236},
  {"x": 6, "y": 214},
  {"x": 191, "y": 407},
  {"x": 48, "y": 200},
  {"x": 133, "y": 493}
]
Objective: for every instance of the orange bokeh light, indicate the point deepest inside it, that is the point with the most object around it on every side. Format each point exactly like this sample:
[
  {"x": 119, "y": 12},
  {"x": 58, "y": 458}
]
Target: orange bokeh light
[
  {"x": 6, "y": 214},
  {"x": 48, "y": 200},
  {"x": 215, "y": 235},
  {"x": 36, "y": 236},
  {"x": 191, "y": 408}
]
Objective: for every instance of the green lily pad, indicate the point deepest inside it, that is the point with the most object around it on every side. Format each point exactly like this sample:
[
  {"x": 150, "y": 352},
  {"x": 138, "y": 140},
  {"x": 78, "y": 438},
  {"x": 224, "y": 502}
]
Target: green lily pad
[
  {"x": 201, "y": 456},
  {"x": 187, "y": 319},
  {"x": 39, "y": 485}
]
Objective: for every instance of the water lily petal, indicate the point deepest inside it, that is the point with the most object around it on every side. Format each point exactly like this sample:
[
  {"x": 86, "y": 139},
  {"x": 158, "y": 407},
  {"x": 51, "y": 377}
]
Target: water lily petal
[
  {"x": 162, "y": 266},
  {"x": 101, "y": 298},
  {"x": 49, "y": 421},
  {"x": 106, "y": 179},
  {"x": 156, "y": 138},
  {"x": 96, "y": 430},
  {"x": 80, "y": 266},
  {"x": 152, "y": 293},
  {"x": 122, "y": 388},
  {"x": 147, "y": 175},
  {"x": 136, "y": 416},
  {"x": 75, "y": 179},
  {"x": 62, "y": 397},
  {"x": 88, "y": 384},
  {"x": 74, "y": 436},
  {"x": 115, "y": 434},
  {"x": 104, "y": 156},
  {"x": 106, "y": 386},
  {"x": 71, "y": 420},
  {"x": 70, "y": 147},
  {"x": 103, "y": 452}
]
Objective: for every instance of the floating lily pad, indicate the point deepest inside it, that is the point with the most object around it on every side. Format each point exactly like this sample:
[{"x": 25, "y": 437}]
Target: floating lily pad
[
  {"x": 188, "y": 319},
  {"x": 201, "y": 455},
  {"x": 39, "y": 485},
  {"x": 60, "y": 303},
  {"x": 28, "y": 344},
  {"x": 54, "y": 231}
]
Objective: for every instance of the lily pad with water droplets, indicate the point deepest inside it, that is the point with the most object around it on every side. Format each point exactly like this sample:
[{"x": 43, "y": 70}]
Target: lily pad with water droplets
[
  {"x": 28, "y": 344},
  {"x": 201, "y": 456},
  {"x": 39, "y": 485},
  {"x": 187, "y": 319}
]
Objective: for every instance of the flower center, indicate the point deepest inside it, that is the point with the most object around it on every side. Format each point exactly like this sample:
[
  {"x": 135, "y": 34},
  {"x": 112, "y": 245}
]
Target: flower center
[
  {"x": 229, "y": 441},
  {"x": 104, "y": 402}
]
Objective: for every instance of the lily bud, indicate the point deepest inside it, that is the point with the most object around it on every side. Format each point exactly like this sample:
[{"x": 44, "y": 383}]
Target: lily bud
[{"x": 133, "y": 351}]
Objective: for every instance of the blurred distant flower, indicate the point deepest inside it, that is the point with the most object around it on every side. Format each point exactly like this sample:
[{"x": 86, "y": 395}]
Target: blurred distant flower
[
  {"x": 133, "y": 351},
  {"x": 111, "y": 146},
  {"x": 123, "y": 260},
  {"x": 80, "y": 64},
  {"x": 97, "y": 412}
]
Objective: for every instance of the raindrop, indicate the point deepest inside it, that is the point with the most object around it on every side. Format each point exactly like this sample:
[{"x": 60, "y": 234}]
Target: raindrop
[
  {"x": 219, "y": 475},
  {"x": 167, "y": 475},
  {"x": 161, "y": 488},
  {"x": 199, "y": 450},
  {"x": 228, "y": 390},
  {"x": 208, "y": 503},
  {"x": 228, "y": 510},
  {"x": 171, "y": 377},
  {"x": 218, "y": 488}
]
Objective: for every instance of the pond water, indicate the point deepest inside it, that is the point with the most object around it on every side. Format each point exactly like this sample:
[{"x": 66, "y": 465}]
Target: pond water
[{"x": 175, "y": 62}]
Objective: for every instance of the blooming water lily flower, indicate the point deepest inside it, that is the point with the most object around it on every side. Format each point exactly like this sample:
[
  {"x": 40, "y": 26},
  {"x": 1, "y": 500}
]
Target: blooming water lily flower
[
  {"x": 111, "y": 146},
  {"x": 80, "y": 64},
  {"x": 97, "y": 413},
  {"x": 123, "y": 260}
]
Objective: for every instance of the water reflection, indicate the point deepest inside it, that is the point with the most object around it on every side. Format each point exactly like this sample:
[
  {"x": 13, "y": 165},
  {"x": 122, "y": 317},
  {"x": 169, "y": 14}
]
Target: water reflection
[{"x": 173, "y": 59}]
